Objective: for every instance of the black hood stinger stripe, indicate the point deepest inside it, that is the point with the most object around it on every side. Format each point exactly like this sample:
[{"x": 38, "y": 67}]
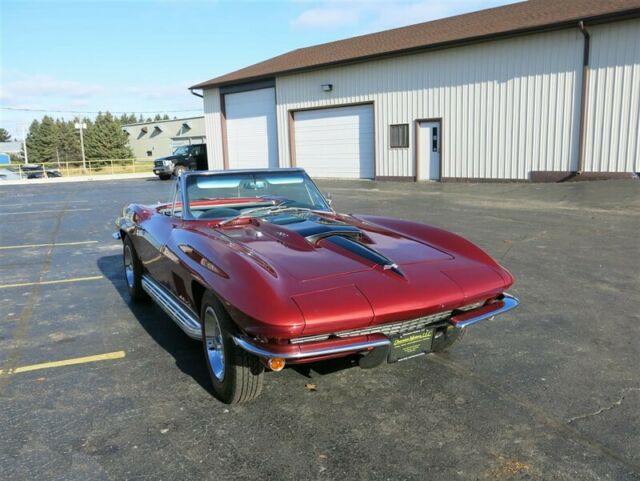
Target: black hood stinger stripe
[{"x": 364, "y": 251}]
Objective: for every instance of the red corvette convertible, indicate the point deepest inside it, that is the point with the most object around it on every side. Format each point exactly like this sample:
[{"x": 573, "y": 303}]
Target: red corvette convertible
[{"x": 258, "y": 266}]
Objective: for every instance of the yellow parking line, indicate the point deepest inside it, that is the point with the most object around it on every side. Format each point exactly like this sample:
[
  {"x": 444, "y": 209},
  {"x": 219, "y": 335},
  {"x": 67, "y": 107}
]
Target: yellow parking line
[
  {"x": 66, "y": 362},
  {"x": 40, "y": 212},
  {"x": 59, "y": 244},
  {"x": 59, "y": 281}
]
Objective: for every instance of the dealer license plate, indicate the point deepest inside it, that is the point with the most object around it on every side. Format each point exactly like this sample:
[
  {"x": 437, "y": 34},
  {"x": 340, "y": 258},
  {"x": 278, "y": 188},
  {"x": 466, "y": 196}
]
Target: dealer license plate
[{"x": 410, "y": 344}]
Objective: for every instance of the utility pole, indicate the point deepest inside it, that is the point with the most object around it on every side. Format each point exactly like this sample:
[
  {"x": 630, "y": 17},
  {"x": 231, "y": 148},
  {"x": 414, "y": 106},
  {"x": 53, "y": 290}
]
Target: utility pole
[
  {"x": 81, "y": 126},
  {"x": 24, "y": 146}
]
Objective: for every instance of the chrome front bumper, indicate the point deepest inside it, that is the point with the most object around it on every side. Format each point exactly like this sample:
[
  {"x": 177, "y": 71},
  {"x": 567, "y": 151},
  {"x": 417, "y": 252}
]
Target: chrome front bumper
[
  {"x": 371, "y": 340},
  {"x": 488, "y": 311},
  {"x": 163, "y": 169},
  {"x": 266, "y": 353}
]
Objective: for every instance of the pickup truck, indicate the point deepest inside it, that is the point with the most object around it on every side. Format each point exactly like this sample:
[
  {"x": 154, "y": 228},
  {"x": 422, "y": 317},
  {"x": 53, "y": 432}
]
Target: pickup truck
[{"x": 185, "y": 157}]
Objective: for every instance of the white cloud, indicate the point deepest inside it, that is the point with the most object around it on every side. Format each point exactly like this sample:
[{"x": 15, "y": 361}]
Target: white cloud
[
  {"x": 37, "y": 85},
  {"x": 326, "y": 18},
  {"x": 401, "y": 14},
  {"x": 30, "y": 96},
  {"x": 372, "y": 16}
]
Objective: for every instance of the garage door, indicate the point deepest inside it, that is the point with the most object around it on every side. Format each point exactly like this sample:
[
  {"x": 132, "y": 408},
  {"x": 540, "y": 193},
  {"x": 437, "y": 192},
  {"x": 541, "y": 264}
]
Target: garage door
[
  {"x": 251, "y": 129},
  {"x": 336, "y": 142}
]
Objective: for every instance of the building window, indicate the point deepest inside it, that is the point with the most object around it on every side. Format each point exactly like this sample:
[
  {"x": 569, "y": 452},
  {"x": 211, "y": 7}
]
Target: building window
[
  {"x": 399, "y": 136},
  {"x": 149, "y": 153}
]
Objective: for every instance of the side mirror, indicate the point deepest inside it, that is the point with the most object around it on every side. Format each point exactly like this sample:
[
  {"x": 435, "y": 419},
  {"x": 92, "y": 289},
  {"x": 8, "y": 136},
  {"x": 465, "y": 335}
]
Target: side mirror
[{"x": 328, "y": 198}]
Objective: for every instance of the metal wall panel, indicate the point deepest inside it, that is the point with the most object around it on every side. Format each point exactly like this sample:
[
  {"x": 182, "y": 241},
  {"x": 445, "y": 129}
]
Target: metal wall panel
[
  {"x": 613, "y": 113},
  {"x": 159, "y": 138},
  {"x": 508, "y": 107},
  {"x": 213, "y": 128}
]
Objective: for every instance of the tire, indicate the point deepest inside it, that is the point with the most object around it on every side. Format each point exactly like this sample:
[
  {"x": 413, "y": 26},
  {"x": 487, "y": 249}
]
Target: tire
[
  {"x": 236, "y": 375},
  {"x": 164, "y": 176},
  {"x": 449, "y": 337},
  {"x": 132, "y": 271},
  {"x": 179, "y": 169}
]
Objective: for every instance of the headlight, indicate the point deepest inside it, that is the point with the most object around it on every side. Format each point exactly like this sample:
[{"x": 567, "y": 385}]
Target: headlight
[{"x": 167, "y": 162}]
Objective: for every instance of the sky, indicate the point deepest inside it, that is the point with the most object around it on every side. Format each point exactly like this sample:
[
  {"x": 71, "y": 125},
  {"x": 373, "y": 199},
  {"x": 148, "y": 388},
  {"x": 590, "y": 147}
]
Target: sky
[{"x": 68, "y": 58}]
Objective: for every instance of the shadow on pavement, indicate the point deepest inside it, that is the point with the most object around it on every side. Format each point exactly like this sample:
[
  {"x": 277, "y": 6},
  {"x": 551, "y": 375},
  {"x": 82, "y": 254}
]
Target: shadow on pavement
[{"x": 186, "y": 352}]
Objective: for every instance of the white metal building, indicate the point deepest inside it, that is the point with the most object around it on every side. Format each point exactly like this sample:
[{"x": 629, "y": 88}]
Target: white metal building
[
  {"x": 539, "y": 90},
  {"x": 159, "y": 138}
]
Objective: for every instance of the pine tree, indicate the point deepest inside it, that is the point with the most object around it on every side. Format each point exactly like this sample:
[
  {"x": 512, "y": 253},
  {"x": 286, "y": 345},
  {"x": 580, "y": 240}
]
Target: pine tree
[
  {"x": 157, "y": 117},
  {"x": 127, "y": 119},
  {"x": 32, "y": 139},
  {"x": 140, "y": 119},
  {"x": 165, "y": 117},
  {"x": 42, "y": 140},
  {"x": 4, "y": 135},
  {"x": 105, "y": 139},
  {"x": 68, "y": 141}
]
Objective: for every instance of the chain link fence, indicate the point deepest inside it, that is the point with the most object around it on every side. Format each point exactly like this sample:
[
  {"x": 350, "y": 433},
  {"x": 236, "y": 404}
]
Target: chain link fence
[{"x": 76, "y": 168}]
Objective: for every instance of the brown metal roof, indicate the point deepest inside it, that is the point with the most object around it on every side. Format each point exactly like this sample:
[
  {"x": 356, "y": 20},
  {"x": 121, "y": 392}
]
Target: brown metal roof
[{"x": 482, "y": 25}]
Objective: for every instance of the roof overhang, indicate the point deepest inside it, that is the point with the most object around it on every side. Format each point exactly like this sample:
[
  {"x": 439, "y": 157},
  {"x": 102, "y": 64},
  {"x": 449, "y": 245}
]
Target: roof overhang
[{"x": 220, "y": 82}]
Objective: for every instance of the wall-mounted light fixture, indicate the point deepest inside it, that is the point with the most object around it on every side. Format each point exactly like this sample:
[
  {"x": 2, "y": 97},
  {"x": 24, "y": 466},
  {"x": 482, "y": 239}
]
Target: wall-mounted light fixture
[{"x": 327, "y": 87}]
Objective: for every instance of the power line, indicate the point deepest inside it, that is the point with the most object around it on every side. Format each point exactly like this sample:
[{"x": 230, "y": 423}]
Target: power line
[{"x": 20, "y": 109}]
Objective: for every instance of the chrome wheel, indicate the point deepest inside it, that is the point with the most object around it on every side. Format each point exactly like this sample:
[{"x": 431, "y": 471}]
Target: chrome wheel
[
  {"x": 128, "y": 266},
  {"x": 214, "y": 345}
]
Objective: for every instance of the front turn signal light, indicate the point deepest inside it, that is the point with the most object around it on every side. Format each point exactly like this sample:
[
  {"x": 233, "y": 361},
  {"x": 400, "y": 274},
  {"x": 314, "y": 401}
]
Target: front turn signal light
[{"x": 276, "y": 364}]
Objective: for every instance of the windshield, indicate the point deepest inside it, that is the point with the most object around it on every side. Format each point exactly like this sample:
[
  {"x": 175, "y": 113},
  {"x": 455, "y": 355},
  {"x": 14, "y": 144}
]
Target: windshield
[
  {"x": 230, "y": 195},
  {"x": 182, "y": 150}
]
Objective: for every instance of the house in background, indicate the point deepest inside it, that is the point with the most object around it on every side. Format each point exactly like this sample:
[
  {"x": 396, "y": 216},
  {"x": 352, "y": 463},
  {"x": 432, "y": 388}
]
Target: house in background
[
  {"x": 536, "y": 90},
  {"x": 160, "y": 137}
]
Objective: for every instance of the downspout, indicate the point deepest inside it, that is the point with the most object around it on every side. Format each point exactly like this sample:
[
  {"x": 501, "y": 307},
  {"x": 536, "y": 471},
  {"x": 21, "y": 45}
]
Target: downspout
[
  {"x": 583, "y": 96},
  {"x": 196, "y": 94}
]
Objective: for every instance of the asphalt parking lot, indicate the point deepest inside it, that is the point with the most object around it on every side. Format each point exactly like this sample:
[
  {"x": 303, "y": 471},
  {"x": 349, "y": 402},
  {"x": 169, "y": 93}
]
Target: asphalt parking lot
[{"x": 549, "y": 391}]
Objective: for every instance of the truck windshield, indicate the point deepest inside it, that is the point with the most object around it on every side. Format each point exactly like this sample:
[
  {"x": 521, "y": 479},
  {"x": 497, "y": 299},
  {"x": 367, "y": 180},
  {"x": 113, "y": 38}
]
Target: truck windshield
[
  {"x": 182, "y": 150},
  {"x": 229, "y": 195}
]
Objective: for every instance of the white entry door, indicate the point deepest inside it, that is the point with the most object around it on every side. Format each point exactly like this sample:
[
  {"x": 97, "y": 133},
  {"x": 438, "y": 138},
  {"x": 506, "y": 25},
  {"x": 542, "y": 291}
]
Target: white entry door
[
  {"x": 335, "y": 142},
  {"x": 429, "y": 141},
  {"x": 251, "y": 129}
]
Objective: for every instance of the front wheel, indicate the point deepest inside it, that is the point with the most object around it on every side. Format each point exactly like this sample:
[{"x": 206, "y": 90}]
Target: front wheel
[
  {"x": 132, "y": 271},
  {"x": 179, "y": 170},
  {"x": 236, "y": 375}
]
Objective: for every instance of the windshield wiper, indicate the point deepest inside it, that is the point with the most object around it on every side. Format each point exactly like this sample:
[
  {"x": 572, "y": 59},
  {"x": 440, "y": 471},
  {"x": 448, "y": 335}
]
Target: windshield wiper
[{"x": 270, "y": 209}]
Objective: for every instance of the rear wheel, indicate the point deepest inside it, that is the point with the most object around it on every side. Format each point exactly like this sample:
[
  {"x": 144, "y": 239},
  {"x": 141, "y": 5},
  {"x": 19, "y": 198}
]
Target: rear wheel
[
  {"x": 443, "y": 340},
  {"x": 236, "y": 375},
  {"x": 132, "y": 271}
]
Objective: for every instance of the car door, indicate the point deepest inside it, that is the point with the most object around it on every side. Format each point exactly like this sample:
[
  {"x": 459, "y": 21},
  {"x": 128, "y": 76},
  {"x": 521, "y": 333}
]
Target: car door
[
  {"x": 153, "y": 235},
  {"x": 168, "y": 269},
  {"x": 202, "y": 158},
  {"x": 194, "y": 160}
]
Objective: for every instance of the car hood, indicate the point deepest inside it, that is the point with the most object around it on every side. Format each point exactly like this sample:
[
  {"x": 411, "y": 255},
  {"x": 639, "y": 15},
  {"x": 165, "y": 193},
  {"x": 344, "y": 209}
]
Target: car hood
[
  {"x": 312, "y": 246},
  {"x": 171, "y": 157},
  {"x": 340, "y": 270}
]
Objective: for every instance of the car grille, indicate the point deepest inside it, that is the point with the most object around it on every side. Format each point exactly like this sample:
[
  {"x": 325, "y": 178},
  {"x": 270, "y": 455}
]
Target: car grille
[
  {"x": 389, "y": 329},
  {"x": 158, "y": 163}
]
